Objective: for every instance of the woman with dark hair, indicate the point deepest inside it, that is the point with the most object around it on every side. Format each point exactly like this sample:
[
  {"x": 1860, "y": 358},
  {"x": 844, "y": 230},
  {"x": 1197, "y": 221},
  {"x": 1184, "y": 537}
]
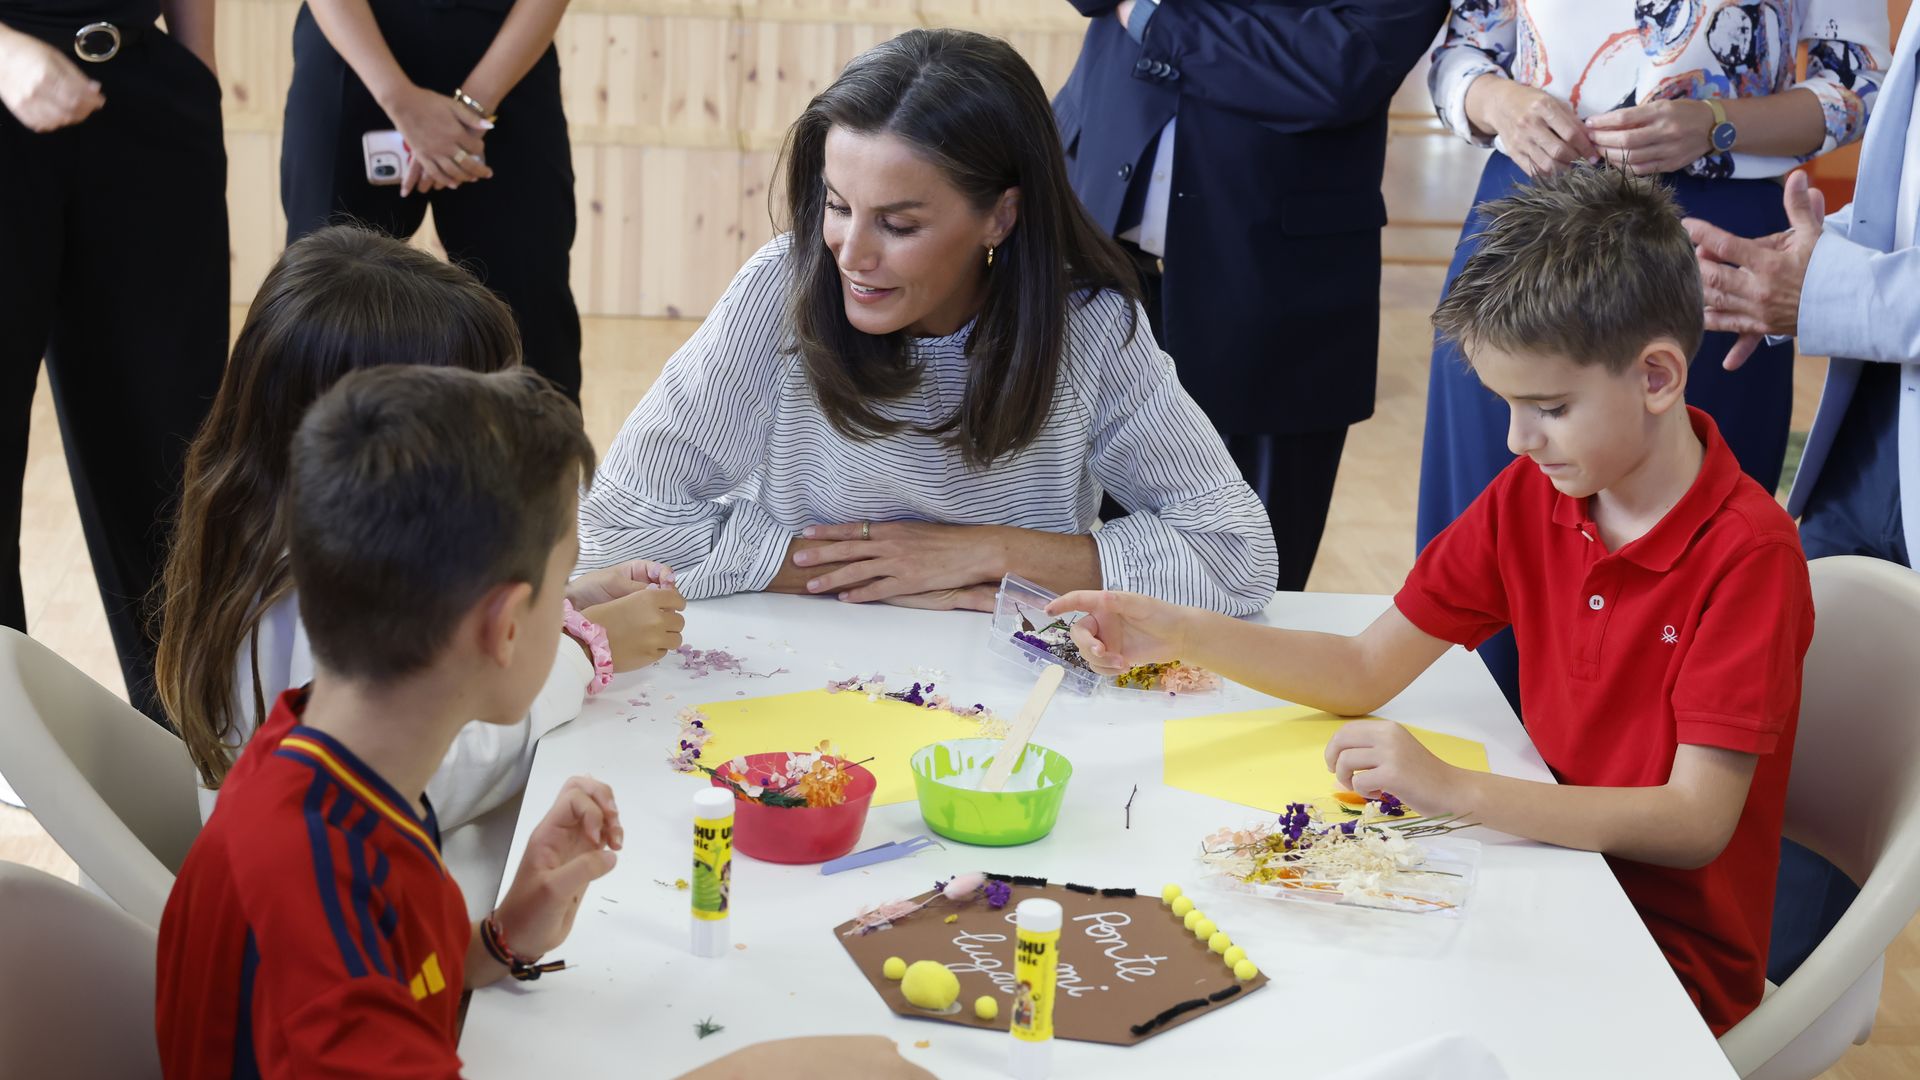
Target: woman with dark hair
[{"x": 931, "y": 379}]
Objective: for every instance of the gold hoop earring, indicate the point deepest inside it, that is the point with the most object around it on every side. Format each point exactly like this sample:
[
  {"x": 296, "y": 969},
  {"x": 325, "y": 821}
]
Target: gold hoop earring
[{"x": 990, "y": 250}]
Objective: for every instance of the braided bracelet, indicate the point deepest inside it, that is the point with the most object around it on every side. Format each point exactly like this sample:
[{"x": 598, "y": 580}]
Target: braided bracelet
[{"x": 494, "y": 940}]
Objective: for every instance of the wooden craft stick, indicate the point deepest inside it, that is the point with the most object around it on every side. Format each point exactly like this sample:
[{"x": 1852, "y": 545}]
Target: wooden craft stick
[{"x": 1022, "y": 729}]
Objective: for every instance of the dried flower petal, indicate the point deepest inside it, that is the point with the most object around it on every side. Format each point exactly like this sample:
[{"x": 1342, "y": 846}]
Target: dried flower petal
[{"x": 964, "y": 886}]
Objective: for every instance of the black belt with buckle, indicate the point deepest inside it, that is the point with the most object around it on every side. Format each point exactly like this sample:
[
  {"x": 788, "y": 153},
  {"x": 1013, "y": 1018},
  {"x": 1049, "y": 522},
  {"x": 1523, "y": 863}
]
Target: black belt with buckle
[{"x": 94, "y": 42}]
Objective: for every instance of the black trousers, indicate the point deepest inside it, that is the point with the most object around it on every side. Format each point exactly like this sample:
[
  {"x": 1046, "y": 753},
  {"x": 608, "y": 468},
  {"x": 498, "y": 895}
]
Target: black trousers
[
  {"x": 1291, "y": 472},
  {"x": 514, "y": 231},
  {"x": 113, "y": 262}
]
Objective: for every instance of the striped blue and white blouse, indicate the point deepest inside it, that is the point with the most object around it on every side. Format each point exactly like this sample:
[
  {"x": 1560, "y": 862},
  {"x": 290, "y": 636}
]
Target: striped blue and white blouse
[{"x": 729, "y": 456}]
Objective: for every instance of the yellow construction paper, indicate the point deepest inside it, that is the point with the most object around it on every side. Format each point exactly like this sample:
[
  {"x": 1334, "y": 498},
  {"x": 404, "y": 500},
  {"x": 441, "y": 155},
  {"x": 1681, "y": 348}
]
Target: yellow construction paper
[
  {"x": 885, "y": 730},
  {"x": 1268, "y": 758}
]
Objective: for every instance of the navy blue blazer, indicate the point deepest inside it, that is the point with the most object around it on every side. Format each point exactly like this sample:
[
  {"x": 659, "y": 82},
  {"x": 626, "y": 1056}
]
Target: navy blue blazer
[{"x": 1271, "y": 296}]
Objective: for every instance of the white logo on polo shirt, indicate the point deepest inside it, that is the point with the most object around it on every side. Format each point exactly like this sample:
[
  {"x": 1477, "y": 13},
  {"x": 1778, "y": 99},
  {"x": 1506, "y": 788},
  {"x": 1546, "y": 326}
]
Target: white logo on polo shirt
[{"x": 1669, "y": 636}]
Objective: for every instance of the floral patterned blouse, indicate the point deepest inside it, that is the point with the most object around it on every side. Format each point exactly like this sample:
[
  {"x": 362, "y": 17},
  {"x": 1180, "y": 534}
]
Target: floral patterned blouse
[{"x": 1601, "y": 55}]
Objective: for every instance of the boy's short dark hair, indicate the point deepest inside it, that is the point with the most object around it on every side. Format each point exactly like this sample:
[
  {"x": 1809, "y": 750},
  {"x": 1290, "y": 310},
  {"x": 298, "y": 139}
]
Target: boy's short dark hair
[
  {"x": 1590, "y": 265},
  {"x": 415, "y": 490}
]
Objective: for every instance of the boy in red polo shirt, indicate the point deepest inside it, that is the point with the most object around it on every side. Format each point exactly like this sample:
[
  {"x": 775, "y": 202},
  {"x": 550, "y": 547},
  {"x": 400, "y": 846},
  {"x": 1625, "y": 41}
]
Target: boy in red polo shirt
[
  {"x": 1659, "y": 596},
  {"x": 314, "y": 930}
]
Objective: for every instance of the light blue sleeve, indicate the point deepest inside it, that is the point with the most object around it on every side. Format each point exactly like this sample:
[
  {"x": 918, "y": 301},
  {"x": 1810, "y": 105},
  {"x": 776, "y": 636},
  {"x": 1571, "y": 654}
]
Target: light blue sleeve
[{"x": 1858, "y": 303}]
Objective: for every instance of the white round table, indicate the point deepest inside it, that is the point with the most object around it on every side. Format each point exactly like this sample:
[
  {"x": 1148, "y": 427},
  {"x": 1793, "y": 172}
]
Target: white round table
[{"x": 1549, "y": 967}]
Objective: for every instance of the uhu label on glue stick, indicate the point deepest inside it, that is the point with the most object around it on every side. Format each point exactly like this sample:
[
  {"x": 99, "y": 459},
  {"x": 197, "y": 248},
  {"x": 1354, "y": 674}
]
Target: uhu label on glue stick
[
  {"x": 1036, "y": 963},
  {"x": 712, "y": 891}
]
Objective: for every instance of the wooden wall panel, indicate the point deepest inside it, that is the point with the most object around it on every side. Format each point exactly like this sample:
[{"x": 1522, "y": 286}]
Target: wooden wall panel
[{"x": 677, "y": 108}]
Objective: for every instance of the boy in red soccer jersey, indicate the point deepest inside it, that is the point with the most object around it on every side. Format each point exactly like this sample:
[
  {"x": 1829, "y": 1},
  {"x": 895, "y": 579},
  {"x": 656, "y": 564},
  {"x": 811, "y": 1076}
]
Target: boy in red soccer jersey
[
  {"x": 1659, "y": 597},
  {"x": 314, "y": 930}
]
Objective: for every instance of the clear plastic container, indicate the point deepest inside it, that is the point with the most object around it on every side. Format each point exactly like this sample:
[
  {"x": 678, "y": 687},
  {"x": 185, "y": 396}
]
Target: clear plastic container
[{"x": 1022, "y": 607}]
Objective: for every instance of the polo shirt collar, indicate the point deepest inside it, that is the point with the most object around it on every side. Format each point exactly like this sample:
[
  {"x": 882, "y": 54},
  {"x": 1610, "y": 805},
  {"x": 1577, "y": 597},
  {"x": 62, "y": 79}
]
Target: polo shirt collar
[
  {"x": 1673, "y": 534},
  {"x": 294, "y": 703}
]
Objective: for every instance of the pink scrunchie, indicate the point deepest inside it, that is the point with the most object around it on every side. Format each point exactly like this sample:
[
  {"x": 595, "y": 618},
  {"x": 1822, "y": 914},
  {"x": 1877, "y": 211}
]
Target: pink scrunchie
[{"x": 594, "y": 637}]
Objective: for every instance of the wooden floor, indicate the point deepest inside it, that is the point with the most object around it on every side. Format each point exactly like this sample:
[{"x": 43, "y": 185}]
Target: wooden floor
[{"x": 1368, "y": 548}]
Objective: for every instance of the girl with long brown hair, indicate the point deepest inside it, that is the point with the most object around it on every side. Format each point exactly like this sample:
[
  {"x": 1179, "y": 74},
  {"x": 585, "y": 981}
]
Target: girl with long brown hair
[{"x": 231, "y": 638}]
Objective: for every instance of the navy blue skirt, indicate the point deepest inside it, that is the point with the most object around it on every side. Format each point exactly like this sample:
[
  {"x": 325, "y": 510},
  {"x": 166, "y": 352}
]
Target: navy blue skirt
[{"x": 1466, "y": 436}]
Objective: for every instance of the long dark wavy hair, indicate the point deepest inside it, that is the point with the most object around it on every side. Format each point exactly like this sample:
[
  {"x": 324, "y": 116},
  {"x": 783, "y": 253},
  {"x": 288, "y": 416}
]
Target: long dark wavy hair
[
  {"x": 339, "y": 300},
  {"x": 973, "y": 108}
]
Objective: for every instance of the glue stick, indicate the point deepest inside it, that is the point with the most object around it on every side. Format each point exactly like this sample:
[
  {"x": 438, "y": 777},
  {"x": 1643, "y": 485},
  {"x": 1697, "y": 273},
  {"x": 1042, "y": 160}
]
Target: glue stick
[
  {"x": 712, "y": 870},
  {"x": 1036, "y": 962}
]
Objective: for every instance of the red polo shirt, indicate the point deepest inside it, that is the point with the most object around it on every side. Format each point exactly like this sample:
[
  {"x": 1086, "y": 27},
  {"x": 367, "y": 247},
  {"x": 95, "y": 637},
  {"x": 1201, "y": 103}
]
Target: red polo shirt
[{"x": 1693, "y": 633}]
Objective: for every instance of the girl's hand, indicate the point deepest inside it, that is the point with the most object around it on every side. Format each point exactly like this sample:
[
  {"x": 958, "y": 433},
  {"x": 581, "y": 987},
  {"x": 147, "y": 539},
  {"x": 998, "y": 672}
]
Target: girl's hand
[
  {"x": 443, "y": 136},
  {"x": 614, "y": 582},
  {"x": 1658, "y": 137},
  {"x": 1124, "y": 630},
  {"x": 43, "y": 90},
  {"x": 642, "y": 627}
]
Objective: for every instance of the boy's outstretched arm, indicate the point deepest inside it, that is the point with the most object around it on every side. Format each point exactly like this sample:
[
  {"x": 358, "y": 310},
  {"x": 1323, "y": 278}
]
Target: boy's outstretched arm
[
  {"x": 1347, "y": 676},
  {"x": 1685, "y": 822}
]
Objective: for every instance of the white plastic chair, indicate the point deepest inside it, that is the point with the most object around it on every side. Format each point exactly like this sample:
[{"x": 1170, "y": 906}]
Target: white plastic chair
[
  {"x": 1854, "y": 798},
  {"x": 78, "y": 997},
  {"x": 113, "y": 788}
]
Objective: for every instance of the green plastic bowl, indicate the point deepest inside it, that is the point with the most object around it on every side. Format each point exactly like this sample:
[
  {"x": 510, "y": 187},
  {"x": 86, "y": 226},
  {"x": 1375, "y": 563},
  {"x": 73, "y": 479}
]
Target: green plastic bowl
[{"x": 947, "y": 775}]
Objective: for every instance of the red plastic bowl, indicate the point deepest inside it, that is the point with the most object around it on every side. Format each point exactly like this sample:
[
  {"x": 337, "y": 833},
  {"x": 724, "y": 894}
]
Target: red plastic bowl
[{"x": 800, "y": 834}]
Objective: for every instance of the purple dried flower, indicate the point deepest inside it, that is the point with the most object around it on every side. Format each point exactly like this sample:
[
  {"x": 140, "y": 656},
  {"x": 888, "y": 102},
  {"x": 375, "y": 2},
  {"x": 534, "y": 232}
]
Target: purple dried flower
[
  {"x": 1391, "y": 806},
  {"x": 940, "y": 886},
  {"x": 1347, "y": 827},
  {"x": 998, "y": 893},
  {"x": 911, "y": 696}
]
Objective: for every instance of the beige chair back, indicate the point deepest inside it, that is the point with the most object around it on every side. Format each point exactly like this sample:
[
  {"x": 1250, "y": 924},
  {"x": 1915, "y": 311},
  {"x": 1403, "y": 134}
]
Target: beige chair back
[
  {"x": 1854, "y": 798},
  {"x": 114, "y": 789},
  {"x": 77, "y": 999}
]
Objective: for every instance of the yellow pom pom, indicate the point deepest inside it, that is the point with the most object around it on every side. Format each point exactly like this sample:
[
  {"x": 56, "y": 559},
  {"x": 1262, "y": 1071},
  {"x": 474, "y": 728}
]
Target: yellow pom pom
[
  {"x": 929, "y": 985},
  {"x": 1234, "y": 955},
  {"x": 1204, "y": 929},
  {"x": 1182, "y": 905},
  {"x": 985, "y": 1007},
  {"x": 1219, "y": 942},
  {"x": 951, "y": 919},
  {"x": 1169, "y": 893},
  {"x": 1193, "y": 918},
  {"x": 895, "y": 968},
  {"x": 1245, "y": 971}
]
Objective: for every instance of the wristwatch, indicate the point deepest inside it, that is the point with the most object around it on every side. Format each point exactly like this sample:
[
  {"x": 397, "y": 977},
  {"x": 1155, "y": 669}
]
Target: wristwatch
[{"x": 1724, "y": 133}]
